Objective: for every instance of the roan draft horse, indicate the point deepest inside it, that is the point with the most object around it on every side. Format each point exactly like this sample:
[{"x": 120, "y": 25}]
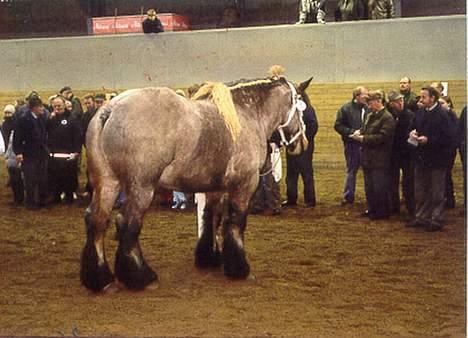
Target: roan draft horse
[{"x": 214, "y": 143}]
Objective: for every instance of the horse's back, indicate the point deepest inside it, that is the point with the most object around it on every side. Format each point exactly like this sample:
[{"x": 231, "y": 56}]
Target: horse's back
[{"x": 153, "y": 133}]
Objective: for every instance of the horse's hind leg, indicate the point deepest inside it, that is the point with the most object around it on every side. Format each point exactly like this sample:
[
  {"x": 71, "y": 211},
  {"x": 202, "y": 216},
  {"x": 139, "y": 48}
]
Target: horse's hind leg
[
  {"x": 130, "y": 267},
  {"x": 207, "y": 253},
  {"x": 95, "y": 273}
]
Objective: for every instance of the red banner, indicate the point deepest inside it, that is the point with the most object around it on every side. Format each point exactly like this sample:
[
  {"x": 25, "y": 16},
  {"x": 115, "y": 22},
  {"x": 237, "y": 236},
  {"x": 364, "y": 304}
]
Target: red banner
[{"x": 132, "y": 23}]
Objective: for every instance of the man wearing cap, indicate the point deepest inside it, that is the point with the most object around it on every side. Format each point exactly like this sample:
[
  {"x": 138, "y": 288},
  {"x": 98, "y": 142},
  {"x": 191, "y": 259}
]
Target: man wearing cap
[
  {"x": 152, "y": 24},
  {"x": 431, "y": 139},
  {"x": 29, "y": 145},
  {"x": 376, "y": 138},
  {"x": 401, "y": 155},
  {"x": 77, "y": 109},
  {"x": 349, "y": 118},
  {"x": 411, "y": 101},
  {"x": 99, "y": 100}
]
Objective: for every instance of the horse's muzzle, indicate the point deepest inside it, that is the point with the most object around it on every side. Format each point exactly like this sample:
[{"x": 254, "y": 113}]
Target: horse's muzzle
[{"x": 299, "y": 146}]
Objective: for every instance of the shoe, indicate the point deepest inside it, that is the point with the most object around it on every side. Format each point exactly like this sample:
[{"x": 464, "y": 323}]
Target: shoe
[
  {"x": 175, "y": 206},
  {"x": 183, "y": 206},
  {"x": 276, "y": 212},
  {"x": 287, "y": 204},
  {"x": 345, "y": 201},
  {"x": 431, "y": 227},
  {"x": 375, "y": 217},
  {"x": 415, "y": 223},
  {"x": 256, "y": 211},
  {"x": 365, "y": 213},
  {"x": 310, "y": 205}
]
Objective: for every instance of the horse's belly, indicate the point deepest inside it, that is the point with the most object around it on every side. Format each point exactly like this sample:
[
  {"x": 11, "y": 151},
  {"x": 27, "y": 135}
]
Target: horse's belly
[{"x": 193, "y": 178}]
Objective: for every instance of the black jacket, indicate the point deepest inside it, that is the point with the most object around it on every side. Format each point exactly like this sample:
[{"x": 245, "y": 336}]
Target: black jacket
[
  {"x": 64, "y": 134},
  {"x": 434, "y": 125},
  {"x": 30, "y": 136},
  {"x": 401, "y": 150},
  {"x": 152, "y": 26}
]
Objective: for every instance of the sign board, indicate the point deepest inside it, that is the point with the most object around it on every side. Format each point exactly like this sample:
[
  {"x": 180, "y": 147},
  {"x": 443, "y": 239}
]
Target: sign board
[{"x": 132, "y": 23}]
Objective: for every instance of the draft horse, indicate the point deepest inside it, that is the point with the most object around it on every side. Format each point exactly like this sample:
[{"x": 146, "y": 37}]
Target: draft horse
[{"x": 214, "y": 143}]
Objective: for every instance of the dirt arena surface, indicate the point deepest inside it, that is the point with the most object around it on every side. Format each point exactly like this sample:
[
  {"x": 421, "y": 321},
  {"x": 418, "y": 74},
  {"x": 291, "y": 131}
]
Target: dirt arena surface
[{"x": 322, "y": 272}]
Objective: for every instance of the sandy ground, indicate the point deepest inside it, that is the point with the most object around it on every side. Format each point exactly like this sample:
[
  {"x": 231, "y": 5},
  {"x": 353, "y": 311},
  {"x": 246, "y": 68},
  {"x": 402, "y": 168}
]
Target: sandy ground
[{"x": 322, "y": 272}]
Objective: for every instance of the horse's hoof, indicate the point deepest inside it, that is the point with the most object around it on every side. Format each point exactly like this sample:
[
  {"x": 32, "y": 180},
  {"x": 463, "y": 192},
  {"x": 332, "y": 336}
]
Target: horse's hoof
[
  {"x": 135, "y": 276},
  {"x": 94, "y": 276},
  {"x": 208, "y": 259},
  {"x": 235, "y": 263},
  {"x": 112, "y": 288},
  {"x": 153, "y": 286}
]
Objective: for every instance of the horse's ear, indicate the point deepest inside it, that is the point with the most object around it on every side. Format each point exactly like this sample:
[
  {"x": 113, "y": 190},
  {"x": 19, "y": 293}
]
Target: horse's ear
[{"x": 303, "y": 86}]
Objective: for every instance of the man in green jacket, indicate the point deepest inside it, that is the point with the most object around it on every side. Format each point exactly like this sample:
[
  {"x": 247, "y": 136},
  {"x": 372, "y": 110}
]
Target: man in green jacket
[{"x": 376, "y": 138}]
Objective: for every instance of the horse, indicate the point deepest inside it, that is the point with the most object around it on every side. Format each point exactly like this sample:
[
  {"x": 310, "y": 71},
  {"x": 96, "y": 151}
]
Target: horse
[{"x": 215, "y": 143}]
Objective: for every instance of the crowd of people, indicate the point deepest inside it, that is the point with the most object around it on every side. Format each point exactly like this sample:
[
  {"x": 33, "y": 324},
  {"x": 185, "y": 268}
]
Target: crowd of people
[
  {"x": 387, "y": 135},
  {"x": 415, "y": 135}
]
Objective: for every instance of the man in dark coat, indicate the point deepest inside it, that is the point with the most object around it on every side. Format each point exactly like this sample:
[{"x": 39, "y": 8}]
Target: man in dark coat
[
  {"x": 377, "y": 140},
  {"x": 349, "y": 118},
  {"x": 152, "y": 24},
  {"x": 64, "y": 143},
  {"x": 302, "y": 164},
  {"x": 402, "y": 158},
  {"x": 410, "y": 98},
  {"x": 462, "y": 149},
  {"x": 431, "y": 138},
  {"x": 29, "y": 145}
]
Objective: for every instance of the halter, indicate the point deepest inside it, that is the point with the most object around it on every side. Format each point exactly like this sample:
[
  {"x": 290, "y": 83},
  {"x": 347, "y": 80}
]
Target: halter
[{"x": 297, "y": 106}]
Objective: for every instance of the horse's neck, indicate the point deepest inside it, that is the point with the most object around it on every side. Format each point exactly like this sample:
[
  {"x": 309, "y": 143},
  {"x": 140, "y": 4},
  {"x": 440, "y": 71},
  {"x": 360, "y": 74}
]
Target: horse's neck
[{"x": 269, "y": 113}]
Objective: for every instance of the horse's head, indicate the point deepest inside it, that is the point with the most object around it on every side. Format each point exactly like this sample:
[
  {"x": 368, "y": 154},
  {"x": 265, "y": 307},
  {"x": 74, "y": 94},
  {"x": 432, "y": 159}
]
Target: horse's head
[{"x": 292, "y": 130}]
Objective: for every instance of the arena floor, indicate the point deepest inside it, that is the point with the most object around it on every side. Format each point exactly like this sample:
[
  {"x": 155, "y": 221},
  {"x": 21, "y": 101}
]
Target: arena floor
[{"x": 323, "y": 272}]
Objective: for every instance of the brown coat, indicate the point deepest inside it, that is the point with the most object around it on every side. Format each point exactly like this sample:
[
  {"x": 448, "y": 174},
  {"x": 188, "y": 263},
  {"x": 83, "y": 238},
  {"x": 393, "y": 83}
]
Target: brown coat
[{"x": 378, "y": 133}]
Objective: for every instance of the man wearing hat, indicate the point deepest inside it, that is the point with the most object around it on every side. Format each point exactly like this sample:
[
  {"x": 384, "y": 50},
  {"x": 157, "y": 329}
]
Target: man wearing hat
[
  {"x": 376, "y": 138},
  {"x": 99, "y": 100},
  {"x": 77, "y": 109},
  {"x": 152, "y": 24},
  {"x": 401, "y": 155}
]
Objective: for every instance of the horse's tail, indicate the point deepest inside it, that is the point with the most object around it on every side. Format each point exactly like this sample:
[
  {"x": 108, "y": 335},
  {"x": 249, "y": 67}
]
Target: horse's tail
[{"x": 97, "y": 164}]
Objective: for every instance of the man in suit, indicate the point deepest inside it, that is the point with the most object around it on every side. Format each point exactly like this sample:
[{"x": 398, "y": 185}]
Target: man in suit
[{"x": 29, "y": 145}]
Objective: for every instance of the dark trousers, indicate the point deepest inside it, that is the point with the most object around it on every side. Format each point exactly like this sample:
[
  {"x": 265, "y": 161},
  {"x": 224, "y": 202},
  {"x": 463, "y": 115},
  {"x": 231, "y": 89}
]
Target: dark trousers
[
  {"x": 407, "y": 169},
  {"x": 267, "y": 195},
  {"x": 300, "y": 165},
  {"x": 463, "y": 161},
  {"x": 35, "y": 181},
  {"x": 16, "y": 184},
  {"x": 430, "y": 194},
  {"x": 352, "y": 152},
  {"x": 63, "y": 177},
  {"x": 449, "y": 192},
  {"x": 376, "y": 186}
]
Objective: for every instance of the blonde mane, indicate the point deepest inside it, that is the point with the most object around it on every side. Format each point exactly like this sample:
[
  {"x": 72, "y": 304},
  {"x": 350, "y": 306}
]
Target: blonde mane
[{"x": 221, "y": 96}]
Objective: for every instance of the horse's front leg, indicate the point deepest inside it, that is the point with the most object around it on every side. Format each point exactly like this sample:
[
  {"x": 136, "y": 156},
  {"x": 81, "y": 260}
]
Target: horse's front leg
[
  {"x": 95, "y": 273},
  {"x": 130, "y": 266},
  {"x": 207, "y": 254},
  {"x": 235, "y": 261}
]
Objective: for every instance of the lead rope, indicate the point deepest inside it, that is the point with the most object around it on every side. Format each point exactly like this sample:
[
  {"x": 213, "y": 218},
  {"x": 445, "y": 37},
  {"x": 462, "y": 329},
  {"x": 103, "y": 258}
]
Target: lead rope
[{"x": 273, "y": 165}]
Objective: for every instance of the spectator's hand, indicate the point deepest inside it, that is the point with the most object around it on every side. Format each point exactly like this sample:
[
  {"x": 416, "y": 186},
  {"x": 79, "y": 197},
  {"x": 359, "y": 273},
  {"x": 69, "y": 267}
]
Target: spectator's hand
[
  {"x": 414, "y": 135},
  {"x": 73, "y": 156},
  {"x": 19, "y": 158},
  {"x": 422, "y": 140}
]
